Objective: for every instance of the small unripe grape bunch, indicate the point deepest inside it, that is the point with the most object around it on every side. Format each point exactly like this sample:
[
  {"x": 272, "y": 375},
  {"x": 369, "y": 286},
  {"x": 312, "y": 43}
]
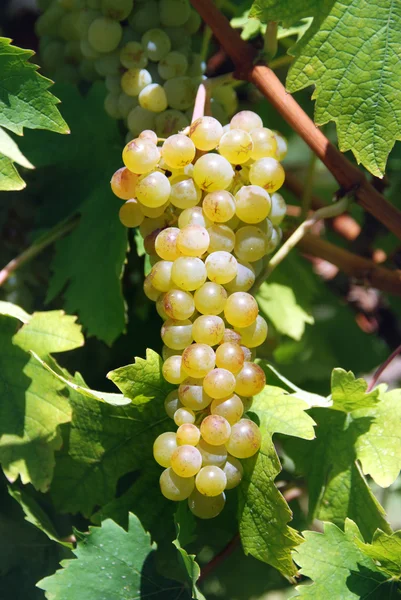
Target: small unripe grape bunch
[{"x": 206, "y": 203}]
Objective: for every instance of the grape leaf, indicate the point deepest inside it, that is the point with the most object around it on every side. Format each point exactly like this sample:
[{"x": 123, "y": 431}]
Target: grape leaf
[
  {"x": 185, "y": 526},
  {"x": 334, "y": 562},
  {"x": 357, "y": 83},
  {"x": 51, "y": 331},
  {"x": 349, "y": 394},
  {"x": 111, "y": 564},
  {"x": 385, "y": 550},
  {"x": 10, "y": 180}
]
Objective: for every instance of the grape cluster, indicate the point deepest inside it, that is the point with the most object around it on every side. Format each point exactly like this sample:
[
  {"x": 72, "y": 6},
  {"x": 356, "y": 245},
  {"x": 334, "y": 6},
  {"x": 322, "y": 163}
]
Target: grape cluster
[
  {"x": 142, "y": 50},
  {"x": 208, "y": 220}
]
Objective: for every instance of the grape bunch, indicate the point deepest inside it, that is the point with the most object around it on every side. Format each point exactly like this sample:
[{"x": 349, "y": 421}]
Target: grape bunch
[
  {"x": 207, "y": 206},
  {"x": 143, "y": 52}
]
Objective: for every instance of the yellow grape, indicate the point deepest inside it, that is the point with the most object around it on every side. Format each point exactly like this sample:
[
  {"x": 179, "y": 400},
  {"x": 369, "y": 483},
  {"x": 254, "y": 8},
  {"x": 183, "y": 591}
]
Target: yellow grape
[
  {"x": 210, "y": 298},
  {"x": 241, "y": 309},
  {"x": 192, "y": 394},
  {"x": 222, "y": 238},
  {"x": 246, "y": 120},
  {"x": 230, "y": 356},
  {"x": 211, "y": 481},
  {"x": 234, "y": 471},
  {"x": 212, "y": 455},
  {"x": 206, "y": 507},
  {"x": 221, "y": 267},
  {"x": 219, "y": 383},
  {"x": 174, "y": 487},
  {"x": 183, "y": 416},
  {"x": 245, "y": 439},
  {"x": 160, "y": 275},
  {"x": 186, "y": 461},
  {"x": 198, "y": 360},
  {"x": 153, "y": 190},
  {"x": 252, "y": 204},
  {"x": 188, "y": 273},
  {"x": 173, "y": 371},
  {"x": 205, "y": 133},
  {"x": 215, "y": 430},
  {"x": 172, "y": 403},
  {"x": 264, "y": 143},
  {"x": 178, "y": 151},
  {"x": 268, "y": 173},
  {"x": 166, "y": 244},
  {"x": 230, "y": 408},
  {"x": 250, "y": 380},
  {"x": 184, "y": 192},
  {"x": 219, "y": 206},
  {"x": 123, "y": 183},
  {"x": 178, "y": 304},
  {"x": 208, "y": 329},
  {"x": 177, "y": 334},
  {"x": 193, "y": 240},
  {"x": 141, "y": 156},
  {"x": 163, "y": 448},
  {"x": 213, "y": 172},
  {"x": 255, "y": 334},
  {"x": 131, "y": 214},
  {"x": 187, "y": 434}
]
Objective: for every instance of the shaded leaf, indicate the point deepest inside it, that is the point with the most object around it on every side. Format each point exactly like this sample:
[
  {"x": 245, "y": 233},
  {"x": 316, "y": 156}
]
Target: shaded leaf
[
  {"x": 385, "y": 550},
  {"x": 349, "y": 394}
]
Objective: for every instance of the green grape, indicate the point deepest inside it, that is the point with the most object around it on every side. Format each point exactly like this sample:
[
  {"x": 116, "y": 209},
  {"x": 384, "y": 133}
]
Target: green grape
[
  {"x": 135, "y": 80},
  {"x": 88, "y": 52},
  {"x": 145, "y": 17},
  {"x": 132, "y": 56},
  {"x": 252, "y": 204},
  {"x": 160, "y": 276},
  {"x": 246, "y": 120},
  {"x": 177, "y": 334},
  {"x": 192, "y": 395},
  {"x": 48, "y": 22},
  {"x": 230, "y": 356},
  {"x": 187, "y": 434},
  {"x": 208, "y": 329},
  {"x": 241, "y": 309},
  {"x": 250, "y": 381},
  {"x": 173, "y": 371},
  {"x": 245, "y": 439},
  {"x": 104, "y": 34},
  {"x": 219, "y": 206},
  {"x": 255, "y": 334},
  {"x": 212, "y": 455},
  {"x": 222, "y": 238},
  {"x": 140, "y": 119},
  {"x": 69, "y": 27},
  {"x": 218, "y": 111},
  {"x": 236, "y": 146},
  {"x": 130, "y": 214},
  {"x": 167, "y": 352},
  {"x": 180, "y": 39},
  {"x": 85, "y": 18},
  {"x": 282, "y": 146},
  {"x": 251, "y": 243},
  {"x": 112, "y": 83},
  {"x": 185, "y": 194},
  {"x": 111, "y": 105},
  {"x": 178, "y": 151},
  {"x": 186, "y": 461},
  {"x": 188, "y": 273},
  {"x": 193, "y": 240},
  {"x": 213, "y": 172},
  {"x": 215, "y": 430},
  {"x": 219, "y": 383},
  {"x": 159, "y": 302},
  {"x": 184, "y": 415},
  {"x": 172, "y": 403},
  {"x": 153, "y": 98},
  {"x": 226, "y": 96},
  {"x": 198, "y": 360},
  {"x": 221, "y": 267},
  {"x": 211, "y": 481},
  {"x": 234, "y": 471},
  {"x": 231, "y": 336},
  {"x": 180, "y": 92},
  {"x": 170, "y": 121},
  {"x": 174, "y": 64},
  {"x": 278, "y": 209},
  {"x": 123, "y": 183},
  {"x": 268, "y": 173},
  {"x": 179, "y": 305},
  {"x": 166, "y": 244},
  {"x": 174, "y": 13},
  {"x": 264, "y": 143},
  {"x": 197, "y": 66},
  {"x": 108, "y": 64},
  {"x": 126, "y": 104},
  {"x": 210, "y": 298},
  {"x": 193, "y": 216},
  {"x": 163, "y": 448},
  {"x": 205, "y": 133},
  {"x": 117, "y": 9},
  {"x": 150, "y": 292},
  {"x": 244, "y": 279},
  {"x": 205, "y": 507},
  {"x": 156, "y": 44},
  {"x": 230, "y": 408},
  {"x": 174, "y": 487},
  {"x": 141, "y": 156}
]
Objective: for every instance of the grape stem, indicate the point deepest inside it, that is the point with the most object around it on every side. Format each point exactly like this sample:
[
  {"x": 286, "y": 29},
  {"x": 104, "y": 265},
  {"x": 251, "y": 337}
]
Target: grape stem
[
  {"x": 204, "y": 93},
  {"x": 382, "y": 367},
  {"x": 37, "y": 246},
  {"x": 326, "y": 212},
  {"x": 270, "y": 40},
  {"x": 222, "y": 555},
  {"x": 308, "y": 186},
  {"x": 348, "y": 175}
]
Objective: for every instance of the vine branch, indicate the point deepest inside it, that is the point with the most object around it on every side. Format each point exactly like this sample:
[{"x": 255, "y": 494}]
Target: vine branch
[{"x": 347, "y": 175}]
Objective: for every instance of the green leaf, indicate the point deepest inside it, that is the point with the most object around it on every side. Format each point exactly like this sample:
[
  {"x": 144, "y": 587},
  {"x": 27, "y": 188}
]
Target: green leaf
[
  {"x": 111, "y": 564},
  {"x": 349, "y": 394},
  {"x": 24, "y": 98},
  {"x": 357, "y": 83},
  {"x": 12, "y": 310},
  {"x": 183, "y": 523},
  {"x": 337, "y": 566},
  {"x": 51, "y": 331},
  {"x": 10, "y": 180},
  {"x": 385, "y": 550}
]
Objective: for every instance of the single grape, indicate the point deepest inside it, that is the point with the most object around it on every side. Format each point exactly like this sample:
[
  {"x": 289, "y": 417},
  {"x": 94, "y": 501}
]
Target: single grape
[
  {"x": 138, "y": 119},
  {"x": 211, "y": 481},
  {"x": 153, "y": 98},
  {"x": 178, "y": 151},
  {"x": 278, "y": 209},
  {"x": 145, "y": 16},
  {"x": 252, "y": 204},
  {"x": 166, "y": 243},
  {"x": 184, "y": 415},
  {"x": 172, "y": 403},
  {"x": 268, "y": 173},
  {"x": 241, "y": 309},
  {"x": 163, "y": 448},
  {"x": 205, "y": 133},
  {"x": 130, "y": 214},
  {"x": 156, "y": 44},
  {"x": 188, "y": 273},
  {"x": 153, "y": 189},
  {"x": 231, "y": 336},
  {"x": 193, "y": 240},
  {"x": 148, "y": 134},
  {"x": 234, "y": 471},
  {"x": 222, "y": 238},
  {"x": 245, "y": 439},
  {"x": 180, "y": 92},
  {"x": 193, "y": 216},
  {"x": 132, "y": 56},
  {"x": 212, "y": 455},
  {"x": 230, "y": 408},
  {"x": 104, "y": 34},
  {"x": 193, "y": 23},
  {"x": 186, "y": 461},
  {"x": 215, "y": 430},
  {"x": 108, "y": 64},
  {"x": 160, "y": 275},
  {"x": 173, "y": 371},
  {"x": 152, "y": 225},
  {"x": 134, "y": 81},
  {"x": 264, "y": 143},
  {"x": 187, "y": 434},
  {"x": 174, "y": 13},
  {"x": 244, "y": 279},
  {"x": 210, "y": 298},
  {"x": 248, "y": 356},
  {"x": 236, "y": 146},
  {"x": 150, "y": 292},
  {"x": 247, "y": 402},
  {"x": 246, "y": 120},
  {"x": 174, "y": 64},
  {"x": 255, "y": 334},
  {"x": 219, "y": 383},
  {"x": 227, "y": 98},
  {"x": 184, "y": 193},
  {"x": 178, "y": 304},
  {"x": 206, "y": 507},
  {"x": 221, "y": 267},
  {"x": 192, "y": 394},
  {"x": 282, "y": 146},
  {"x": 141, "y": 156},
  {"x": 177, "y": 334},
  {"x": 174, "y": 487},
  {"x": 123, "y": 183},
  {"x": 170, "y": 121},
  {"x": 159, "y": 305},
  {"x": 251, "y": 243},
  {"x": 213, "y": 172},
  {"x": 250, "y": 380},
  {"x": 198, "y": 360},
  {"x": 208, "y": 329},
  {"x": 230, "y": 356},
  {"x": 219, "y": 206}
]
